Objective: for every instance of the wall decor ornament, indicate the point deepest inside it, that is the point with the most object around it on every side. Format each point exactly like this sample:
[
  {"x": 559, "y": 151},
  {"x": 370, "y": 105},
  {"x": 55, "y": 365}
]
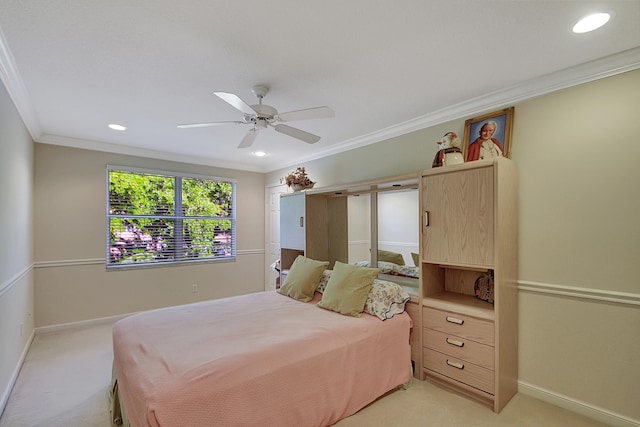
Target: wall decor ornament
[
  {"x": 449, "y": 152},
  {"x": 488, "y": 136},
  {"x": 298, "y": 180}
]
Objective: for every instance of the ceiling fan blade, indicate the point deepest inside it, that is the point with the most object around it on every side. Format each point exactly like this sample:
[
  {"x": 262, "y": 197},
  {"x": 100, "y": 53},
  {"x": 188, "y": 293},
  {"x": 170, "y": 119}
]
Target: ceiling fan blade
[
  {"x": 236, "y": 102},
  {"x": 201, "y": 125},
  {"x": 307, "y": 137},
  {"x": 248, "y": 139},
  {"x": 307, "y": 114}
]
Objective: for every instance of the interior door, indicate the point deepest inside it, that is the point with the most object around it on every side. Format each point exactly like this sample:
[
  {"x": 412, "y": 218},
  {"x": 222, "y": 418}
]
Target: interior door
[{"x": 272, "y": 230}]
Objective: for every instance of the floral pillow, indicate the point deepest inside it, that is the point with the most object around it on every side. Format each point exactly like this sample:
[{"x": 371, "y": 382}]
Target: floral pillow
[
  {"x": 385, "y": 300},
  {"x": 406, "y": 270},
  {"x": 384, "y": 266},
  {"x": 324, "y": 279}
]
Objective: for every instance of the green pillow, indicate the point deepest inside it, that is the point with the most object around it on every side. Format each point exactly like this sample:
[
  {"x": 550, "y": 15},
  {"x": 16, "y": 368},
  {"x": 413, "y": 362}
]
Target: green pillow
[
  {"x": 303, "y": 278},
  {"x": 416, "y": 259},
  {"x": 348, "y": 289},
  {"x": 388, "y": 256}
]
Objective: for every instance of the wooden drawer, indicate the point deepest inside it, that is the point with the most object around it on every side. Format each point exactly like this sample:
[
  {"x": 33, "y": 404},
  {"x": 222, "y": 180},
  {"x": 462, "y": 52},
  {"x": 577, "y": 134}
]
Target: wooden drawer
[
  {"x": 461, "y": 348},
  {"x": 460, "y": 325},
  {"x": 465, "y": 372}
]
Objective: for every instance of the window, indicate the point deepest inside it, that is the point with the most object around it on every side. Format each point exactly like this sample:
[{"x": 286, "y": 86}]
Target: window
[{"x": 156, "y": 218}]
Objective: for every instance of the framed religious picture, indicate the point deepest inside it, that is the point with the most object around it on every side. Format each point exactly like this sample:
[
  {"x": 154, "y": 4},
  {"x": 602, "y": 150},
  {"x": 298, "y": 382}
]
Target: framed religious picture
[{"x": 488, "y": 136}]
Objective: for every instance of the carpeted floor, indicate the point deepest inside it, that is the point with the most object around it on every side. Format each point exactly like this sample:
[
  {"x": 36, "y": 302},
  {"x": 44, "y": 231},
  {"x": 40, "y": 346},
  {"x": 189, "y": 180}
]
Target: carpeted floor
[{"x": 65, "y": 378}]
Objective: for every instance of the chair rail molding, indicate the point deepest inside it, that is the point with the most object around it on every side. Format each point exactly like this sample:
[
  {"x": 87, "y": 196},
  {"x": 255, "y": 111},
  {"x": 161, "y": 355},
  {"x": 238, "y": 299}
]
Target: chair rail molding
[
  {"x": 8, "y": 284},
  {"x": 601, "y": 295},
  {"x": 96, "y": 261}
]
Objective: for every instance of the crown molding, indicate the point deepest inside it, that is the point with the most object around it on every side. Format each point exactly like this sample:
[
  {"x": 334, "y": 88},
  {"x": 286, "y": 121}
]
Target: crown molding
[
  {"x": 608, "y": 66},
  {"x": 142, "y": 152},
  {"x": 15, "y": 87}
]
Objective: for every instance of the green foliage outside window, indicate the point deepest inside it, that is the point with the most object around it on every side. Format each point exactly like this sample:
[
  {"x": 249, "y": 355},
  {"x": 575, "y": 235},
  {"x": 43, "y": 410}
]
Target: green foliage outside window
[{"x": 161, "y": 218}]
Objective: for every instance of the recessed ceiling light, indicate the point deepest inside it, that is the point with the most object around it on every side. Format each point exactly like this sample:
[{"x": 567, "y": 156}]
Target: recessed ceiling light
[
  {"x": 259, "y": 153},
  {"x": 117, "y": 127},
  {"x": 591, "y": 22}
]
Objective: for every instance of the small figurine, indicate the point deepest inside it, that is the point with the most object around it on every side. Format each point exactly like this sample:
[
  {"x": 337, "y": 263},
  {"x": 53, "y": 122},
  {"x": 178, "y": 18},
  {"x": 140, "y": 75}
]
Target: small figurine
[{"x": 449, "y": 153}]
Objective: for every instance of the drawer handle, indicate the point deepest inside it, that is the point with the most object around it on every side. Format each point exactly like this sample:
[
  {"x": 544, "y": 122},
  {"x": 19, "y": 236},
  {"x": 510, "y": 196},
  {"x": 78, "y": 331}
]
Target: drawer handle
[
  {"x": 455, "y": 320},
  {"x": 455, "y": 364},
  {"x": 455, "y": 342}
]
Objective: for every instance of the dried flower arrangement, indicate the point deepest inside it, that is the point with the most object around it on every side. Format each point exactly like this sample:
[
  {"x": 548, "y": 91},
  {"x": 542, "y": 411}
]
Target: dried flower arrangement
[{"x": 298, "y": 179}]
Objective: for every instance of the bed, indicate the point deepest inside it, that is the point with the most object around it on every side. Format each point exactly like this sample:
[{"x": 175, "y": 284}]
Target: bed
[{"x": 260, "y": 359}]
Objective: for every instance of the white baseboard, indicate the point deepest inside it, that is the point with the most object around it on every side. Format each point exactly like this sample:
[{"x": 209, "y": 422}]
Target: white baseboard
[
  {"x": 14, "y": 376},
  {"x": 573, "y": 405},
  {"x": 80, "y": 324}
]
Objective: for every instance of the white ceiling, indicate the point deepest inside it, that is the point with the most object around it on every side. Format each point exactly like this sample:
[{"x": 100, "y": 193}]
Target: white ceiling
[{"x": 384, "y": 67}]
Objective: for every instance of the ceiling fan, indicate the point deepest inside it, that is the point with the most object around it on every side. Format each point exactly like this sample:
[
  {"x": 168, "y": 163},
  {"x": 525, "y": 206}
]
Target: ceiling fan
[{"x": 260, "y": 116}]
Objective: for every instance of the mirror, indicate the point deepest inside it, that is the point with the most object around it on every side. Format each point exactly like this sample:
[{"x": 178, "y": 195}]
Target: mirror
[
  {"x": 398, "y": 218},
  {"x": 359, "y": 226},
  {"x": 395, "y": 228}
]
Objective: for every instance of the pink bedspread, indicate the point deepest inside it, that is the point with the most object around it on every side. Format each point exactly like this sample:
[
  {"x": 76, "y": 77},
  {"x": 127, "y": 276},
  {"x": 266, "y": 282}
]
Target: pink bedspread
[{"x": 261, "y": 359}]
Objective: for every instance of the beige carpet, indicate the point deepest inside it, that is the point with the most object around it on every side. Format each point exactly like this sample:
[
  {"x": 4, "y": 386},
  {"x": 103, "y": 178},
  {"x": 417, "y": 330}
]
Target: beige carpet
[{"x": 66, "y": 375}]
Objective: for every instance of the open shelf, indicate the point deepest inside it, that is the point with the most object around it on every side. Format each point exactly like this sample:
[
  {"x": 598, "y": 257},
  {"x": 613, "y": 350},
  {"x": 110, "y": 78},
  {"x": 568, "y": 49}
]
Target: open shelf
[{"x": 460, "y": 303}]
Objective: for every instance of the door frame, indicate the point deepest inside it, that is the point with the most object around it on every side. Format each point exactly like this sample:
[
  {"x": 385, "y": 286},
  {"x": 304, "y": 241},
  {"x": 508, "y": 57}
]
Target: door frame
[{"x": 272, "y": 194}]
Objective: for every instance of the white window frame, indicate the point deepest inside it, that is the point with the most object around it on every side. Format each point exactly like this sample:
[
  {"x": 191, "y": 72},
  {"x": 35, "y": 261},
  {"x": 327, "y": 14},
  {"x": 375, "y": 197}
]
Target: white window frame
[{"x": 178, "y": 217}]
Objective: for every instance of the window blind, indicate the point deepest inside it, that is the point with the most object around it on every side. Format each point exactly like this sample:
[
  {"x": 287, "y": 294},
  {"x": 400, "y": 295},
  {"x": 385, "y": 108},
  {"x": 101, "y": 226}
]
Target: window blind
[{"x": 156, "y": 217}]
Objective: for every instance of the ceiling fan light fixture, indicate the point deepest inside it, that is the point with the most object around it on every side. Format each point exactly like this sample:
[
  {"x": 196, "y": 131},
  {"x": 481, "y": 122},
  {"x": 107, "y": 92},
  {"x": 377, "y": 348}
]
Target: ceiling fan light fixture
[
  {"x": 591, "y": 22},
  {"x": 259, "y": 153},
  {"x": 116, "y": 126},
  {"x": 261, "y": 116}
]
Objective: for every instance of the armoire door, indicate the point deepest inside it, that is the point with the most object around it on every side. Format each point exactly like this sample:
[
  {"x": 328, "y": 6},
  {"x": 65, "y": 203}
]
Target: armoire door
[{"x": 457, "y": 224}]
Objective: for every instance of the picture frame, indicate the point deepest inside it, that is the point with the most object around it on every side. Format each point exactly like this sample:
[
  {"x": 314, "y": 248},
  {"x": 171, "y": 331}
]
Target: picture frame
[{"x": 501, "y": 135}]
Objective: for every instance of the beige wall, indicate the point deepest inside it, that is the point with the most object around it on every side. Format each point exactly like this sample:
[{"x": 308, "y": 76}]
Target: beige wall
[
  {"x": 16, "y": 244},
  {"x": 71, "y": 283},
  {"x": 577, "y": 152},
  {"x": 579, "y": 239}
]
